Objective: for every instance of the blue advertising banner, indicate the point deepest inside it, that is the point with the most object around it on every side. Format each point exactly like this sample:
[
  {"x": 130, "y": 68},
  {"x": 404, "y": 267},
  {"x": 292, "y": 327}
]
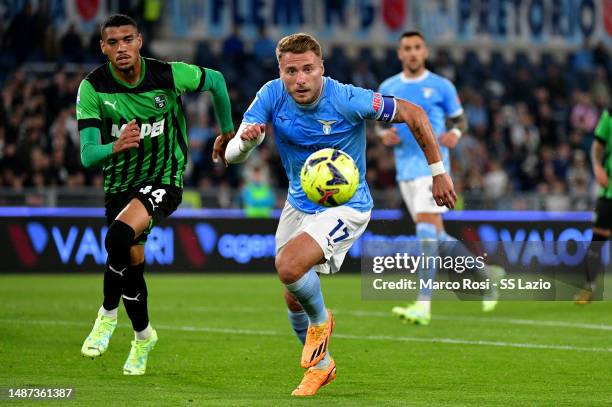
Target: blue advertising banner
[{"x": 72, "y": 239}]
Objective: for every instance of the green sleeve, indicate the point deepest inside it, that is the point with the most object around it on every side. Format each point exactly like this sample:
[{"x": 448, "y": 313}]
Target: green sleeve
[
  {"x": 215, "y": 83},
  {"x": 187, "y": 77},
  {"x": 92, "y": 152},
  {"x": 192, "y": 78},
  {"x": 88, "y": 109},
  {"x": 603, "y": 131}
]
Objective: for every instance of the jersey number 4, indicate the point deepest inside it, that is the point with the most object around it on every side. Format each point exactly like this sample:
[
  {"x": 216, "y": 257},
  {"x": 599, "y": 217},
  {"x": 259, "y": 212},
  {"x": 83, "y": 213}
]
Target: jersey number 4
[{"x": 158, "y": 194}]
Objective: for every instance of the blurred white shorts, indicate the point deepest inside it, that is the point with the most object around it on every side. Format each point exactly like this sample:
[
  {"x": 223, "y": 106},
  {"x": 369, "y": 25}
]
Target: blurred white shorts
[{"x": 418, "y": 198}]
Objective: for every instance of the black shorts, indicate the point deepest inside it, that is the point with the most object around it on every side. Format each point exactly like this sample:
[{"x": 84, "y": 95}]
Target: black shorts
[
  {"x": 603, "y": 214},
  {"x": 159, "y": 200}
]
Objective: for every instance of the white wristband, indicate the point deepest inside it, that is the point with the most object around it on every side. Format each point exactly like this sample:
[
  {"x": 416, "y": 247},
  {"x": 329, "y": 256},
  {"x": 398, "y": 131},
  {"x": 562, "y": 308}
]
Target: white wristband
[
  {"x": 437, "y": 168},
  {"x": 238, "y": 150},
  {"x": 456, "y": 131}
]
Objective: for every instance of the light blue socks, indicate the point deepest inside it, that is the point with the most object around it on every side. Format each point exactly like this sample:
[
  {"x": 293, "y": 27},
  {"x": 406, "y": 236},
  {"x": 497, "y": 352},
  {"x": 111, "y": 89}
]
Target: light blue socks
[
  {"x": 307, "y": 290},
  {"x": 428, "y": 239}
]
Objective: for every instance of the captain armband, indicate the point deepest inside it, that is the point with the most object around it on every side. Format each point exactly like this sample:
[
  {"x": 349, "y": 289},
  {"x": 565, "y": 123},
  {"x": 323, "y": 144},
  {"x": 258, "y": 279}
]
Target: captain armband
[{"x": 385, "y": 106}]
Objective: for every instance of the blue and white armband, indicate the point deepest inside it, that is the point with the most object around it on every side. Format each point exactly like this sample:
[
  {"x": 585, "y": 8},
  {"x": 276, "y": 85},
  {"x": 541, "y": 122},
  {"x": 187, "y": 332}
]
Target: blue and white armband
[{"x": 385, "y": 106}]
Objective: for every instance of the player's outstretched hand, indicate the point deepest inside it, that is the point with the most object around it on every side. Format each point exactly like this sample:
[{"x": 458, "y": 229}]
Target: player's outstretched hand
[
  {"x": 129, "y": 137},
  {"x": 220, "y": 146},
  {"x": 390, "y": 137},
  {"x": 443, "y": 191},
  {"x": 601, "y": 176},
  {"x": 449, "y": 139},
  {"x": 252, "y": 132}
]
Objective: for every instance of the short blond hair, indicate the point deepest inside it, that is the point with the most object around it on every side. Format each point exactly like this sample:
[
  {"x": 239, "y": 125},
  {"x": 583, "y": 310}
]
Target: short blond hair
[{"x": 298, "y": 44}]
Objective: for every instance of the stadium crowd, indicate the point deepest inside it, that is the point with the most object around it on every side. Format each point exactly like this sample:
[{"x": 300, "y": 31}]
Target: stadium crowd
[{"x": 531, "y": 122}]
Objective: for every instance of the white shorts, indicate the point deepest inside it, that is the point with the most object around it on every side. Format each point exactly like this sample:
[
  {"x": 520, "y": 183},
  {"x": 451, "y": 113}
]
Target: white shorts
[
  {"x": 418, "y": 198},
  {"x": 335, "y": 230}
]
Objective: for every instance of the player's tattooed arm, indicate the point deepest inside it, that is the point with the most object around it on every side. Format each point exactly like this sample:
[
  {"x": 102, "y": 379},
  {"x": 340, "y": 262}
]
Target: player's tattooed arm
[{"x": 416, "y": 119}]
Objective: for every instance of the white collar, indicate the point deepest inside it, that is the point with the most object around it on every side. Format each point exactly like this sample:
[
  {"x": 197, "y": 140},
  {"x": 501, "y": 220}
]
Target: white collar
[{"x": 419, "y": 78}]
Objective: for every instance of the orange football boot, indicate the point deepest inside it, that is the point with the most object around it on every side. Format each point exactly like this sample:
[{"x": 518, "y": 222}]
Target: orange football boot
[
  {"x": 317, "y": 340},
  {"x": 314, "y": 379}
]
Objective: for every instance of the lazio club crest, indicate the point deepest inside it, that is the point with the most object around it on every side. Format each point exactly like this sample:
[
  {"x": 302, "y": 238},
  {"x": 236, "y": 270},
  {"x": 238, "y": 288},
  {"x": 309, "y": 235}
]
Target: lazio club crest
[
  {"x": 160, "y": 101},
  {"x": 327, "y": 126}
]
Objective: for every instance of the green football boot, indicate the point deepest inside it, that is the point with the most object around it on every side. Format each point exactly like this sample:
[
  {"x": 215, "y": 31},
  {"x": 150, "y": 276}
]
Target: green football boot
[
  {"x": 490, "y": 298},
  {"x": 415, "y": 314},
  {"x": 96, "y": 342},
  {"x": 136, "y": 363}
]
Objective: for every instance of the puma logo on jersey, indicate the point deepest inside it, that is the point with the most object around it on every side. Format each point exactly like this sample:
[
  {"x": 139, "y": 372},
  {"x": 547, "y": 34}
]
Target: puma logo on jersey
[
  {"x": 106, "y": 102},
  {"x": 327, "y": 126},
  {"x": 146, "y": 129}
]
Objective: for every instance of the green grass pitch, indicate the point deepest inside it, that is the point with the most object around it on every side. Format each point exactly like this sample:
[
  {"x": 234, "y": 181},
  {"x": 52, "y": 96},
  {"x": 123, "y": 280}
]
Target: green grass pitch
[{"x": 225, "y": 340}]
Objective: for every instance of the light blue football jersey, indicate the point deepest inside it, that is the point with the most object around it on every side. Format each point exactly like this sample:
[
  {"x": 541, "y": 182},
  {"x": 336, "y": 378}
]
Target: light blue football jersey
[
  {"x": 335, "y": 120},
  {"x": 438, "y": 97}
]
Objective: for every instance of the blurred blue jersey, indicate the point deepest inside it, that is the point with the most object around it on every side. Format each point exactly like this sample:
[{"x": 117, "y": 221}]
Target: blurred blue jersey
[
  {"x": 438, "y": 97},
  {"x": 335, "y": 120}
]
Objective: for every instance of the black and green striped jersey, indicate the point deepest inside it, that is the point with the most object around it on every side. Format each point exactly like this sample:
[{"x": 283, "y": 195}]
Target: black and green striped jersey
[
  {"x": 106, "y": 102},
  {"x": 603, "y": 133}
]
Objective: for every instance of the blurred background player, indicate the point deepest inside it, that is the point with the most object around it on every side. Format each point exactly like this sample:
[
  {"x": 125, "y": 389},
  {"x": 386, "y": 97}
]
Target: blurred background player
[
  {"x": 309, "y": 112},
  {"x": 132, "y": 105},
  {"x": 438, "y": 97},
  {"x": 601, "y": 160},
  {"x": 257, "y": 195}
]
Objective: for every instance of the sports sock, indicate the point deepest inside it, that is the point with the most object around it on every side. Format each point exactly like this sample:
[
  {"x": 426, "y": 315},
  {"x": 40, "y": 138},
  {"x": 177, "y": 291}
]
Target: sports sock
[
  {"x": 113, "y": 283},
  {"x": 324, "y": 363},
  {"x": 108, "y": 313},
  {"x": 450, "y": 246},
  {"x": 307, "y": 290},
  {"x": 425, "y": 304},
  {"x": 299, "y": 323},
  {"x": 593, "y": 261},
  {"x": 427, "y": 235},
  {"x": 119, "y": 239},
  {"x": 135, "y": 297},
  {"x": 144, "y": 334}
]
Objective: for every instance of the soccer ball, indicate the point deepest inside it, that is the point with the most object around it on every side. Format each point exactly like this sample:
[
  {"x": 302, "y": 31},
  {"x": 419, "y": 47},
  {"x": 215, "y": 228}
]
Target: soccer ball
[{"x": 329, "y": 177}]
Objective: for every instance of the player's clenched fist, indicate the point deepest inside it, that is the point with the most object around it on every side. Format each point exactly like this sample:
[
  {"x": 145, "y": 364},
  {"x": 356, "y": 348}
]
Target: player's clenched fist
[
  {"x": 443, "y": 191},
  {"x": 449, "y": 139},
  {"x": 220, "y": 146},
  {"x": 252, "y": 132},
  {"x": 129, "y": 138}
]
